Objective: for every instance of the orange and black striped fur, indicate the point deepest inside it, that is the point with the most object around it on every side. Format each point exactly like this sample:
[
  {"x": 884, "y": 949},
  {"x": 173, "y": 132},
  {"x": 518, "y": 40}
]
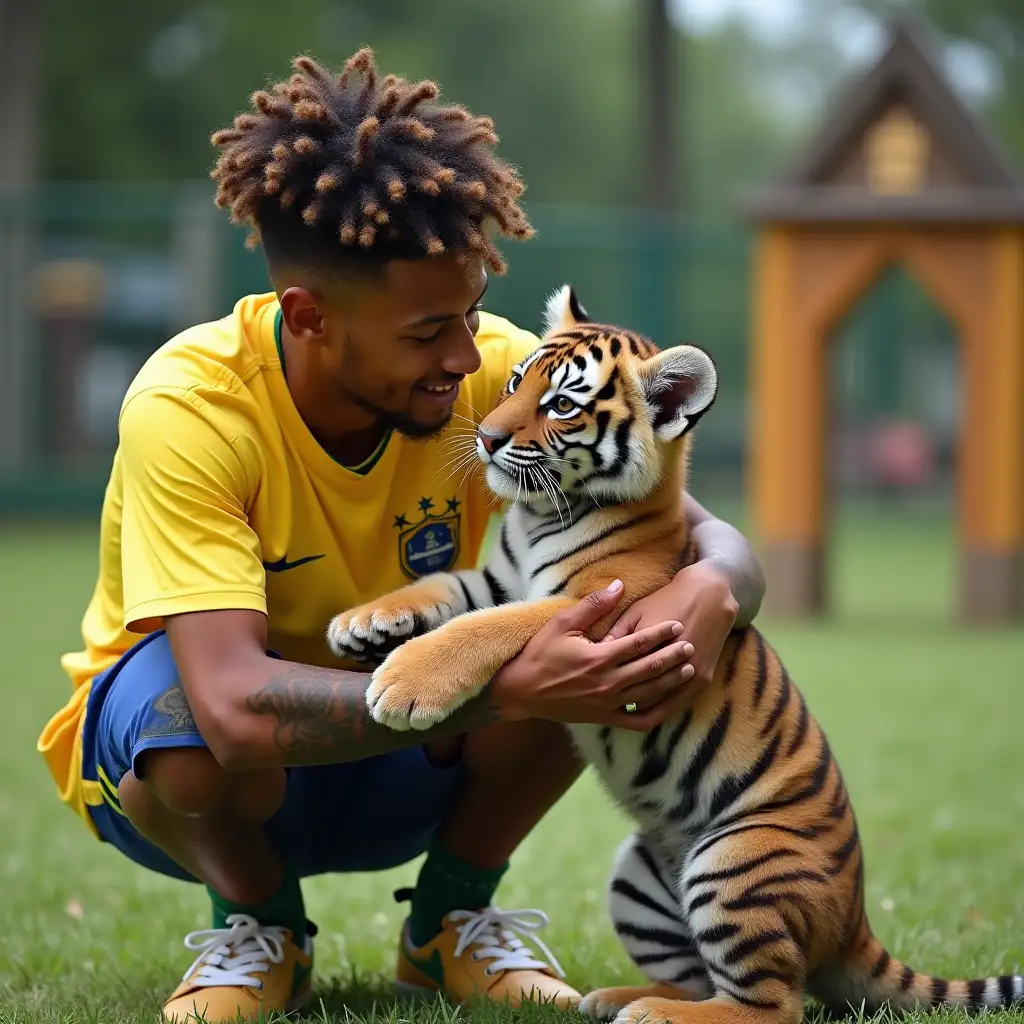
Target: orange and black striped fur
[{"x": 743, "y": 885}]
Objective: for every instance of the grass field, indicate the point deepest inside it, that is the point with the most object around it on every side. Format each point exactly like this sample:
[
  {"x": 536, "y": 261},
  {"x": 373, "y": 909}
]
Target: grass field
[{"x": 925, "y": 718}]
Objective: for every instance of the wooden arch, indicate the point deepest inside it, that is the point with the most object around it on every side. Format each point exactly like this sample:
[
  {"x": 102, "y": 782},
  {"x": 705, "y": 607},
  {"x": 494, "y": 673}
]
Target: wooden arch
[{"x": 901, "y": 174}]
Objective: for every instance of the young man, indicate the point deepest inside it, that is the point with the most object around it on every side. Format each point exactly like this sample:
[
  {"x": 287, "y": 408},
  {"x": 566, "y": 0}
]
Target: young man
[{"x": 290, "y": 461}]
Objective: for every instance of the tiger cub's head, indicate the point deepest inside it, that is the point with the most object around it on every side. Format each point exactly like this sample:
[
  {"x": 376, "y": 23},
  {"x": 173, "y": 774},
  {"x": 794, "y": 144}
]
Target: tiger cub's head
[{"x": 595, "y": 410}]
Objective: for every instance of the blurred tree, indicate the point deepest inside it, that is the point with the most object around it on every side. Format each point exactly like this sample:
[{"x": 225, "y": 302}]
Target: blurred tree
[{"x": 132, "y": 92}]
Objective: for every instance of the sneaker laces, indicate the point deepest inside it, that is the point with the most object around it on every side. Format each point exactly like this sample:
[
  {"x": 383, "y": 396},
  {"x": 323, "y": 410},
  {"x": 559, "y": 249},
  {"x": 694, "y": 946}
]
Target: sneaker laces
[
  {"x": 234, "y": 956},
  {"x": 495, "y": 932}
]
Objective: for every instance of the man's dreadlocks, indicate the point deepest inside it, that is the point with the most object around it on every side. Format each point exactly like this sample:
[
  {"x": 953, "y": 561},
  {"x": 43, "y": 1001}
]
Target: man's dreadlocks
[{"x": 372, "y": 169}]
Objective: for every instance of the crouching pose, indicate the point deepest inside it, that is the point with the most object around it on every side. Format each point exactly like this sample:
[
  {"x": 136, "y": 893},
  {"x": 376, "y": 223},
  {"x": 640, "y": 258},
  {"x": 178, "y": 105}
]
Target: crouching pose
[{"x": 296, "y": 457}]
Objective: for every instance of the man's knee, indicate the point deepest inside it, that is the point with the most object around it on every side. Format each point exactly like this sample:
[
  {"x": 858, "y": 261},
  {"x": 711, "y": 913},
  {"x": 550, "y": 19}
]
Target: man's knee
[
  {"x": 445, "y": 752},
  {"x": 188, "y": 781}
]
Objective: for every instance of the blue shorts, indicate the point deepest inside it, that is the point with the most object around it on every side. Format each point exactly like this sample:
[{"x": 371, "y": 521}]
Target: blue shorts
[{"x": 363, "y": 815}]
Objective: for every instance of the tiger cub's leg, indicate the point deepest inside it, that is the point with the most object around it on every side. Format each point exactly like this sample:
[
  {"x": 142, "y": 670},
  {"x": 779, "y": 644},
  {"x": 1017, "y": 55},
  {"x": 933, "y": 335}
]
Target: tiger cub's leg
[
  {"x": 647, "y": 917},
  {"x": 371, "y": 631},
  {"x": 752, "y": 903}
]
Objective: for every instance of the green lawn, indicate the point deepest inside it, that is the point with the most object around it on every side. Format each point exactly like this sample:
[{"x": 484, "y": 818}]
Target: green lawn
[{"x": 926, "y": 719}]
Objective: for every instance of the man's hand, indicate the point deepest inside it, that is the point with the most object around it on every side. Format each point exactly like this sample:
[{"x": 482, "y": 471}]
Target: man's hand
[
  {"x": 563, "y": 676},
  {"x": 699, "y": 597},
  {"x": 723, "y": 548}
]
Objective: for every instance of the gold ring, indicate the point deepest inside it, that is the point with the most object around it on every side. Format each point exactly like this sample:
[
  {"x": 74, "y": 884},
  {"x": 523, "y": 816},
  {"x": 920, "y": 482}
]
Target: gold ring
[{"x": 631, "y": 707}]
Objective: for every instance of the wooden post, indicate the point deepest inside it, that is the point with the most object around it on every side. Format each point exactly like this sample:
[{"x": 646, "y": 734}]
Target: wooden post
[
  {"x": 992, "y": 482},
  {"x": 787, "y": 427},
  {"x": 658, "y": 105}
]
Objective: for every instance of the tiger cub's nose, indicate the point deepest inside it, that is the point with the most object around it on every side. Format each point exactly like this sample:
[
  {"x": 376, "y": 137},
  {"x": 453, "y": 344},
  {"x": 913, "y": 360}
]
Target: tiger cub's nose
[{"x": 492, "y": 442}]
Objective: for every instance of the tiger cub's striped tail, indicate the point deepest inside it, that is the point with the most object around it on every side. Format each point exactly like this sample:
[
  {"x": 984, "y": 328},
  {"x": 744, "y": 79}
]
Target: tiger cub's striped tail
[{"x": 875, "y": 978}]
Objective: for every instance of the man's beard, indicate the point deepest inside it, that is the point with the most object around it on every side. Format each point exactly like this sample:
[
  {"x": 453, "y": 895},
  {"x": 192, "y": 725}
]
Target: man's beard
[{"x": 399, "y": 423}]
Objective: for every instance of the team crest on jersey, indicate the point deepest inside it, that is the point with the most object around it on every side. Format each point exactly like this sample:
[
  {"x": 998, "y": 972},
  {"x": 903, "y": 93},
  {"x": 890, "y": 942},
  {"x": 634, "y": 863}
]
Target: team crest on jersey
[{"x": 432, "y": 544}]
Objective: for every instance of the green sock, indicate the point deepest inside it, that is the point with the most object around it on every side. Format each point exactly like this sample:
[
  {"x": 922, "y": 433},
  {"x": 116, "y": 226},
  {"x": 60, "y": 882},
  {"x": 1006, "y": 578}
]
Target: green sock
[
  {"x": 285, "y": 908},
  {"x": 446, "y": 883}
]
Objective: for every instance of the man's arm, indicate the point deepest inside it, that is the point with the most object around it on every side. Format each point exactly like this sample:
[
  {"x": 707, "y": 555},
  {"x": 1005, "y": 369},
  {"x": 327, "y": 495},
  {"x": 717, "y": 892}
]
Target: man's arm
[
  {"x": 723, "y": 548},
  {"x": 254, "y": 710},
  {"x": 318, "y": 716}
]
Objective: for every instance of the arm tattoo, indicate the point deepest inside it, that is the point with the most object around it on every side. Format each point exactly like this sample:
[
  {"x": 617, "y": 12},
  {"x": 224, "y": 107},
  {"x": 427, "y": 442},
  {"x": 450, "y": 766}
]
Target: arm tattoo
[{"x": 320, "y": 717}]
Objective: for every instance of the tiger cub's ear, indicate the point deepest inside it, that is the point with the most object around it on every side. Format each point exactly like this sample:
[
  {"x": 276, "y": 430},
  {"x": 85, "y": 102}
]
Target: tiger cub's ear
[
  {"x": 680, "y": 385},
  {"x": 563, "y": 309}
]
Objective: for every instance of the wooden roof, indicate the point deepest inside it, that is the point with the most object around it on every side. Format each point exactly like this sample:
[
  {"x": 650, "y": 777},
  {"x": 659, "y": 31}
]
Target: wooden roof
[{"x": 897, "y": 144}]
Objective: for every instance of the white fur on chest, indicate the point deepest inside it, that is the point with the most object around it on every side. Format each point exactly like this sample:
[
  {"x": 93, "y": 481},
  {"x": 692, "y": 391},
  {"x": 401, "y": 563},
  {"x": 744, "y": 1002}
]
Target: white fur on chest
[
  {"x": 541, "y": 545},
  {"x": 647, "y": 804}
]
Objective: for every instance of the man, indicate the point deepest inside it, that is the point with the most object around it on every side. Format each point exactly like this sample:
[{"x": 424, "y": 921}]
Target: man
[{"x": 290, "y": 461}]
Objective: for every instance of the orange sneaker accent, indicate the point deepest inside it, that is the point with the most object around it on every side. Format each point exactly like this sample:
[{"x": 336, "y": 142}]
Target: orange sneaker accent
[
  {"x": 242, "y": 970},
  {"x": 481, "y": 954}
]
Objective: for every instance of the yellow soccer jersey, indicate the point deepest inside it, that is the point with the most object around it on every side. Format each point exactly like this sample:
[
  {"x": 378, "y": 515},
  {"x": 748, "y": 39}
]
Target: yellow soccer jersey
[{"x": 219, "y": 497}]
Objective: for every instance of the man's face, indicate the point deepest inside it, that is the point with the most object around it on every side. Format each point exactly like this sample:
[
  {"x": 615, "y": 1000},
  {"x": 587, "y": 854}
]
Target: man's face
[{"x": 399, "y": 346}]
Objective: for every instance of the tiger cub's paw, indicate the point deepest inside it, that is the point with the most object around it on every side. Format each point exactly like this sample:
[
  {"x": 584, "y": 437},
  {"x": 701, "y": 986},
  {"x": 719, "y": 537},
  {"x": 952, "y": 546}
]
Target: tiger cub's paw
[
  {"x": 421, "y": 684},
  {"x": 372, "y": 631},
  {"x": 619, "y": 1003},
  {"x": 654, "y": 1010},
  {"x": 604, "y": 1003}
]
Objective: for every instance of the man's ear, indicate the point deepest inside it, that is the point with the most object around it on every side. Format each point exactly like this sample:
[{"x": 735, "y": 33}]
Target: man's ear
[
  {"x": 680, "y": 385},
  {"x": 302, "y": 314},
  {"x": 563, "y": 310}
]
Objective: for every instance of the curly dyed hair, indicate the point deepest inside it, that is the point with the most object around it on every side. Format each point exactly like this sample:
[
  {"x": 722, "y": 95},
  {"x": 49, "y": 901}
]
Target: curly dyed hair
[{"x": 363, "y": 170}]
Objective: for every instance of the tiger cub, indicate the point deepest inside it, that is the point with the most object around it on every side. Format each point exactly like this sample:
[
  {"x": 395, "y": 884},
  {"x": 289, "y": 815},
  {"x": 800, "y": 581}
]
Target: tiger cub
[{"x": 743, "y": 885}]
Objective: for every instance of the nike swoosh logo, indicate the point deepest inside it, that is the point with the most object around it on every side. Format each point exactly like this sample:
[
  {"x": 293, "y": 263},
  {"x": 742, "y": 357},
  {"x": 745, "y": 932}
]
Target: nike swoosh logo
[
  {"x": 431, "y": 966},
  {"x": 283, "y": 565}
]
